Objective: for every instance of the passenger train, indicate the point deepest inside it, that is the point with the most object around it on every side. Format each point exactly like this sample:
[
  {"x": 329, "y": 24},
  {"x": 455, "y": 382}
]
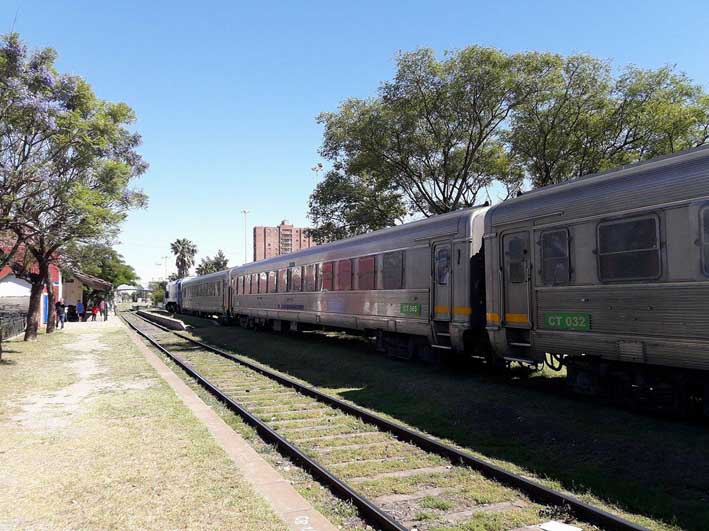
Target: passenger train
[{"x": 607, "y": 275}]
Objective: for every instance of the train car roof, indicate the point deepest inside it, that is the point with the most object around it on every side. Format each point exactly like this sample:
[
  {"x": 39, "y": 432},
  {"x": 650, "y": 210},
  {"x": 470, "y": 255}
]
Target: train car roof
[
  {"x": 675, "y": 177},
  {"x": 399, "y": 237},
  {"x": 209, "y": 276}
]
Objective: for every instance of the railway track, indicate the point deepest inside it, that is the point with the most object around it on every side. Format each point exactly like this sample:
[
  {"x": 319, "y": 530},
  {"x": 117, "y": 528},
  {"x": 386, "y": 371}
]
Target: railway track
[{"x": 397, "y": 478}]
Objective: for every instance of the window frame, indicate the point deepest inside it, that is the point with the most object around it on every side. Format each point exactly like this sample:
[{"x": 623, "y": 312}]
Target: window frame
[
  {"x": 373, "y": 273},
  {"x": 263, "y": 282},
  {"x": 331, "y": 278},
  {"x": 402, "y": 280},
  {"x": 449, "y": 265},
  {"x": 310, "y": 281},
  {"x": 282, "y": 280},
  {"x": 340, "y": 284},
  {"x": 702, "y": 244},
  {"x": 272, "y": 282},
  {"x": 627, "y": 219},
  {"x": 296, "y": 279},
  {"x": 568, "y": 256}
]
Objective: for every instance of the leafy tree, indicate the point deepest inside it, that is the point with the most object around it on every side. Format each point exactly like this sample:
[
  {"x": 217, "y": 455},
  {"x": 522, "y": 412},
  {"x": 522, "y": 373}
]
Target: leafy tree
[
  {"x": 158, "y": 291},
  {"x": 442, "y": 132},
  {"x": 184, "y": 251},
  {"x": 211, "y": 265},
  {"x": 77, "y": 156},
  {"x": 344, "y": 205},
  {"x": 581, "y": 120},
  {"x": 101, "y": 261},
  {"x": 434, "y": 130}
]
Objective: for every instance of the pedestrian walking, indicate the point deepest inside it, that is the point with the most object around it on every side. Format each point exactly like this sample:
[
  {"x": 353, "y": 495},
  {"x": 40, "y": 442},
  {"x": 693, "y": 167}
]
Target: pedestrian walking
[
  {"x": 61, "y": 313},
  {"x": 94, "y": 311},
  {"x": 80, "y": 311},
  {"x": 103, "y": 308}
]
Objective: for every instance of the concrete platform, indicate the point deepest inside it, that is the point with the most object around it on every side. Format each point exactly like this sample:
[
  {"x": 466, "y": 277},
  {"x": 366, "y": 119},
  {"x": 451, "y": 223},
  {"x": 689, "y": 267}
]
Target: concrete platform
[{"x": 168, "y": 322}]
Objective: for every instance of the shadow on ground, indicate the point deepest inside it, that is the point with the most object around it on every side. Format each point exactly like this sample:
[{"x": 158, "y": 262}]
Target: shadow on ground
[{"x": 651, "y": 466}]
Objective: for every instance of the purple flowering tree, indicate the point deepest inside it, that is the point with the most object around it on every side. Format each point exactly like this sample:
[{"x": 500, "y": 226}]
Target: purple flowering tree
[{"x": 67, "y": 163}]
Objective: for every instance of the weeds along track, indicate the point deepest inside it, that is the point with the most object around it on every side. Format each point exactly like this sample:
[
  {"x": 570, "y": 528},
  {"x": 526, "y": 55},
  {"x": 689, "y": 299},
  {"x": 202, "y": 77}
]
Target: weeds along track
[{"x": 396, "y": 477}]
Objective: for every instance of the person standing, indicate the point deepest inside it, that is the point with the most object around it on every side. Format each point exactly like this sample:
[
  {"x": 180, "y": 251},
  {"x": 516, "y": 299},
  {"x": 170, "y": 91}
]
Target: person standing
[
  {"x": 94, "y": 311},
  {"x": 61, "y": 313},
  {"x": 103, "y": 308},
  {"x": 80, "y": 310}
]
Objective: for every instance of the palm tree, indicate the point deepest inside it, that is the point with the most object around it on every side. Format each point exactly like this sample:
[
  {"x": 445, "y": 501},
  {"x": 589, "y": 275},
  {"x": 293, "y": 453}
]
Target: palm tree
[{"x": 184, "y": 251}]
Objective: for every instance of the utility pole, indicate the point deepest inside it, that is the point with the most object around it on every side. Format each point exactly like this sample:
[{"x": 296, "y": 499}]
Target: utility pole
[
  {"x": 164, "y": 263},
  {"x": 245, "y": 212}
]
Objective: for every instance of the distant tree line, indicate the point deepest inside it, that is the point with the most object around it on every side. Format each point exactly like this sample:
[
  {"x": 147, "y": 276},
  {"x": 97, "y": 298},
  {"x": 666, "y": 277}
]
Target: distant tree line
[
  {"x": 443, "y": 131},
  {"x": 67, "y": 162}
]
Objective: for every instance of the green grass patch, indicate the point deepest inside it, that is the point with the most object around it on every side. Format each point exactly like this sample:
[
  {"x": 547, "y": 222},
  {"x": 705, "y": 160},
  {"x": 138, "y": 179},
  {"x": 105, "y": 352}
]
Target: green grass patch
[{"x": 650, "y": 470}]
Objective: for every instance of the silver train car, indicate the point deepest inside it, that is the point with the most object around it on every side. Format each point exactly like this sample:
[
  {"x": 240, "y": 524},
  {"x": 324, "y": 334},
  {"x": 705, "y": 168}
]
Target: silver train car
[
  {"x": 205, "y": 295},
  {"x": 408, "y": 285},
  {"x": 607, "y": 275}
]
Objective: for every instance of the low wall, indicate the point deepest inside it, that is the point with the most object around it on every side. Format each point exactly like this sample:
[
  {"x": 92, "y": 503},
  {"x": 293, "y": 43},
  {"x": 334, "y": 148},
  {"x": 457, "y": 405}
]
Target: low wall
[{"x": 168, "y": 322}]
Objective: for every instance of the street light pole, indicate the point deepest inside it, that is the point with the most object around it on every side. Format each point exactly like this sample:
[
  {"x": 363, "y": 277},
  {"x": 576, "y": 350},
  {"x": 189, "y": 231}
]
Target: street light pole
[{"x": 245, "y": 212}]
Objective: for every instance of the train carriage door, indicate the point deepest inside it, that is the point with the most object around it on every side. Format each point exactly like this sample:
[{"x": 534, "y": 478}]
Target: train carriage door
[
  {"x": 442, "y": 281},
  {"x": 516, "y": 280}
]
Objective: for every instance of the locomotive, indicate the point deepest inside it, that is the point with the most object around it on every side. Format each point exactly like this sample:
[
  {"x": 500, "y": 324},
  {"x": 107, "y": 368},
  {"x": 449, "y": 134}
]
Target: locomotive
[{"x": 607, "y": 275}]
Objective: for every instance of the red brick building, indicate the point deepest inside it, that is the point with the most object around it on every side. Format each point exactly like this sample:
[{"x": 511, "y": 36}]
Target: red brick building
[{"x": 283, "y": 239}]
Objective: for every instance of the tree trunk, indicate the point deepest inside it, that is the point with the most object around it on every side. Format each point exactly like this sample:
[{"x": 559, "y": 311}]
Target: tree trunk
[
  {"x": 33, "y": 312},
  {"x": 52, "y": 313}
]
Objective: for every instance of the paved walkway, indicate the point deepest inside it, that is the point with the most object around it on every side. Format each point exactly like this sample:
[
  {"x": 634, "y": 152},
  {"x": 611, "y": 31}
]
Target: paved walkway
[{"x": 93, "y": 437}]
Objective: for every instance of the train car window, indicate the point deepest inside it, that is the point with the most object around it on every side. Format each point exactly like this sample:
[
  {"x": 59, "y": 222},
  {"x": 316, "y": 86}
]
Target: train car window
[
  {"x": 310, "y": 278},
  {"x": 516, "y": 258},
  {"x": 296, "y": 282},
  {"x": 344, "y": 275},
  {"x": 254, "y": 283},
  {"x": 705, "y": 238},
  {"x": 282, "y": 280},
  {"x": 327, "y": 274},
  {"x": 393, "y": 270},
  {"x": 366, "y": 272},
  {"x": 263, "y": 282},
  {"x": 443, "y": 265},
  {"x": 555, "y": 257},
  {"x": 629, "y": 249},
  {"x": 272, "y": 281}
]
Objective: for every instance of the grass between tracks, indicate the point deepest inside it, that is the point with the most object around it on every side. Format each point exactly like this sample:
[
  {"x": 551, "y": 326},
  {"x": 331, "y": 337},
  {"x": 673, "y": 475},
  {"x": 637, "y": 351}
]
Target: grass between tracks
[
  {"x": 499, "y": 507},
  {"x": 652, "y": 470},
  {"x": 342, "y": 514},
  {"x": 92, "y": 438}
]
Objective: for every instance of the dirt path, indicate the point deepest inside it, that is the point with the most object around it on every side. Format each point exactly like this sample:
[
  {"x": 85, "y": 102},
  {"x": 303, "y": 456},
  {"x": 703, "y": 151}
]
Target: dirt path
[{"x": 92, "y": 438}]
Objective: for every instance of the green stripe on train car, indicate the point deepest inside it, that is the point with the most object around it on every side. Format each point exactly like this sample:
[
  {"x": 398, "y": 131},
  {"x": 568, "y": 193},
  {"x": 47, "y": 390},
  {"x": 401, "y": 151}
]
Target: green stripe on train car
[{"x": 567, "y": 321}]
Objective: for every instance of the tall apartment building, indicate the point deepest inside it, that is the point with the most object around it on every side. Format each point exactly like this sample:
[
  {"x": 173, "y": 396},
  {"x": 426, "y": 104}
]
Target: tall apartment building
[{"x": 283, "y": 239}]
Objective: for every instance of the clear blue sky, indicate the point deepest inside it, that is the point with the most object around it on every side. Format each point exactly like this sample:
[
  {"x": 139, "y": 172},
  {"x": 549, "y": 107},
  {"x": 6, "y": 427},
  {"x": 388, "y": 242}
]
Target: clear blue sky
[{"x": 227, "y": 92}]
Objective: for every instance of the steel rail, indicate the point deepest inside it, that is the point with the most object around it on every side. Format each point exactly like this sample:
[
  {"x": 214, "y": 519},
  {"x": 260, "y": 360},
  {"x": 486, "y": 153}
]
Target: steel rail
[
  {"x": 538, "y": 492},
  {"x": 368, "y": 509}
]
